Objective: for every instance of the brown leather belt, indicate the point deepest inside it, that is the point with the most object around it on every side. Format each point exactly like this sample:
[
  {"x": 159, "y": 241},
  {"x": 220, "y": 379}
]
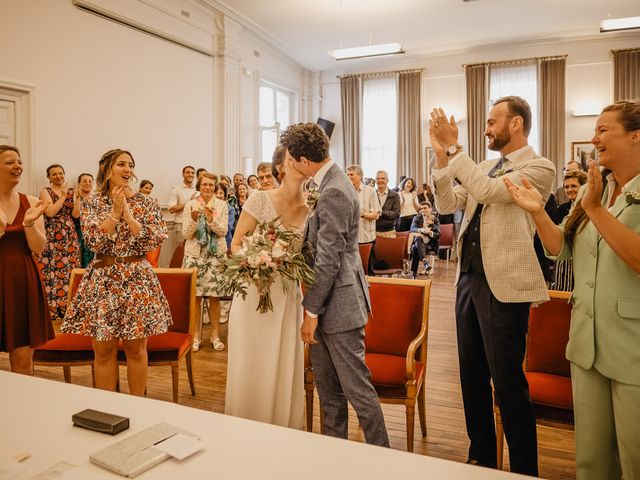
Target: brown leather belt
[{"x": 106, "y": 260}]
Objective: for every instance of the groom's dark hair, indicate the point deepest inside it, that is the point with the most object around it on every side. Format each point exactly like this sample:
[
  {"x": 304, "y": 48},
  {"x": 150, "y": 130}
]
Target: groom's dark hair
[{"x": 306, "y": 140}]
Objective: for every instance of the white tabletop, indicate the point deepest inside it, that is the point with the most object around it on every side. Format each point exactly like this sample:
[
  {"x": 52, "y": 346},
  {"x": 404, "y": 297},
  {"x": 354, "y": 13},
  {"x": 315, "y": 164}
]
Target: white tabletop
[{"x": 35, "y": 417}]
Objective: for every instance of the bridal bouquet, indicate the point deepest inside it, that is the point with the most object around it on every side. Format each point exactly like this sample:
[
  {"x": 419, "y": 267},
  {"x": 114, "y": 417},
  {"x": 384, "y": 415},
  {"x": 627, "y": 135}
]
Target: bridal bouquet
[{"x": 265, "y": 253}]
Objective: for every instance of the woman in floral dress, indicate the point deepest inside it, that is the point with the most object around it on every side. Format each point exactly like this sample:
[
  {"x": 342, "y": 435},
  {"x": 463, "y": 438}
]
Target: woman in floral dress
[
  {"x": 81, "y": 194},
  {"x": 62, "y": 253},
  {"x": 119, "y": 296},
  {"x": 205, "y": 224}
]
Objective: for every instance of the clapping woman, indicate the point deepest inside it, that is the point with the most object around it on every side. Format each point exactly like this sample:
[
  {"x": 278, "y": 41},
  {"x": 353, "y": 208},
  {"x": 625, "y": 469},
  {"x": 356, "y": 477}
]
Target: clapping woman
[
  {"x": 205, "y": 224},
  {"x": 62, "y": 253},
  {"x": 82, "y": 193},
  {"x": 119, "y": 296},
  {"x": 24, "y": 315},
  {"x": 602, "y": 234}
]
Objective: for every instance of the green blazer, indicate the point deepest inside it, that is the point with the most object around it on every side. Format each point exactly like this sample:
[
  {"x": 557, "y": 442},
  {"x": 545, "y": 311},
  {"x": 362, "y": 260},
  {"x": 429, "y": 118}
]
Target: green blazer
[{"x": 605, "y": 320}]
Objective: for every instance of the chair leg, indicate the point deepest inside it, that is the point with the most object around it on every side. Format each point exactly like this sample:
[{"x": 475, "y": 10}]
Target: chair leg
[
  {"x": 411, "y": 417},
  {"x": 309, "y": 399},
  {"x": 66, "y": 371},
  {"x": 192, "y": 383},
  {"x": 422, "y": 414},
  {"x": 174, "y": 381},
  {"x": 499, "y": 439},
  {"x": 93, "y": 376}
]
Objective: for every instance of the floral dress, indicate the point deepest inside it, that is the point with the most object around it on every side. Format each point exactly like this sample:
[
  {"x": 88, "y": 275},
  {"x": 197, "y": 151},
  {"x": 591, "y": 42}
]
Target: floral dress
[
  {"x": 123, "y": 300},
  {"x": 60, "y": 256}
]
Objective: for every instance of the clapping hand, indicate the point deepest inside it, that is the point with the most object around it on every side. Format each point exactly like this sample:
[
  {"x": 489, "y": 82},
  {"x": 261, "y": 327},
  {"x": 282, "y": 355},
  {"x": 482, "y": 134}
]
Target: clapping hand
[
  {"x": 526, "y": 196},
  {"x": 34, "y": 212},
  {"x": 593, "y": 194},
  {"x": 445, "y": 131},
  {"x": 119, "y": 202},
  {"x": 210, "y": 214}
]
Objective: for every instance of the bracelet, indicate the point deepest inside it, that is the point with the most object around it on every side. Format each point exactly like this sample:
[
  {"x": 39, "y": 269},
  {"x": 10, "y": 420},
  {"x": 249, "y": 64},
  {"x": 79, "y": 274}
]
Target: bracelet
[{"x": 27, "y": 226}]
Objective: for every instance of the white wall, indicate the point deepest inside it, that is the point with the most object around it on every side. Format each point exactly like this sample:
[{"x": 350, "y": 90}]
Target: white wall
[
  {"x": 100, "y": 85},
  {"x": 589, "y": 79}
]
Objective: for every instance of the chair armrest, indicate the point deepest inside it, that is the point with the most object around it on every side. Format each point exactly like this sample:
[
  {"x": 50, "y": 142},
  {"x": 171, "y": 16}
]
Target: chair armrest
[{"x": 411, "y": 352}]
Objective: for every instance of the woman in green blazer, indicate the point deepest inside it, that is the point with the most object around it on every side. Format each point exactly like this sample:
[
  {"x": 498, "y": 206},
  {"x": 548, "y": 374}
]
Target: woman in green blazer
[{"x": 602, "y": 234}]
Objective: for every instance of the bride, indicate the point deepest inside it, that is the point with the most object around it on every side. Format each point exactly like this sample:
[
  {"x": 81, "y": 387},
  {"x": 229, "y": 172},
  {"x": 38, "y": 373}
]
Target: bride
[{"x": 265, "y": 363}]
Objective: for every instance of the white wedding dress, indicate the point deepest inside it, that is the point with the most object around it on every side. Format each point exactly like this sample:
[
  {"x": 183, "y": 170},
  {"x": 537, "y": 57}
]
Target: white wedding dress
[{"x": 265, "y": 373}]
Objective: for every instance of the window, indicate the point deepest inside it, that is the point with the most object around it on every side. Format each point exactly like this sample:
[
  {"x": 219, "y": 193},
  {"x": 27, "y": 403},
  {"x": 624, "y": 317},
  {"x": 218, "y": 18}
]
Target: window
[
  {"x": 379, "y": 126},
  {"x": 275, "y": 113},
  {"x": 520, "y": 80}
]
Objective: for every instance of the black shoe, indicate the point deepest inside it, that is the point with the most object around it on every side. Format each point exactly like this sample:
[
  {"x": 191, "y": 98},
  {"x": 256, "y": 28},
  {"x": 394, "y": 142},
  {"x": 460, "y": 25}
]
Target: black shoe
[{"x": 473, "y": 461}]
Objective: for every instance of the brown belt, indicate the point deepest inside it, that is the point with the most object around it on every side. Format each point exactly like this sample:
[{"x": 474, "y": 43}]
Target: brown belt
[{"x": 106, "y": 260}]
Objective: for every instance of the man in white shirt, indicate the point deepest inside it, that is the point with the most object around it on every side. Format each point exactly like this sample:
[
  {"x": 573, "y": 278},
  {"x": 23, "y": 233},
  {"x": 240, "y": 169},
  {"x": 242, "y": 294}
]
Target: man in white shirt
[
  {"x": 179, "y": 195},
  {"x": 369, "y": 209}
]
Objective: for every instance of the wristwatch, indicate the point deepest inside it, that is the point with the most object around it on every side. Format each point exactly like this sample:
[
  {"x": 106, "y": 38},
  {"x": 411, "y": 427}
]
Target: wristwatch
[{"x": 453, "y": 149}]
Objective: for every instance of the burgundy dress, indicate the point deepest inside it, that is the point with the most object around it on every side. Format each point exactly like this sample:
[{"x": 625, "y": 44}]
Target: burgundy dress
[{"x": 24, "y": 316}]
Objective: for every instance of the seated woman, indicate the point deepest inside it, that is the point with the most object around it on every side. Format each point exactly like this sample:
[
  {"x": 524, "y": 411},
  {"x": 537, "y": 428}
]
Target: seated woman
[{"x": 427, "y": 226}]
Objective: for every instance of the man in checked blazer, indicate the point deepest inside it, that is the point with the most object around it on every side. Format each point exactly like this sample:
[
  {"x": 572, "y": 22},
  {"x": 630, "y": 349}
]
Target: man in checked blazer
[
  {"x": 337, "y": 303},
  {"x": 498, "y": 275}
]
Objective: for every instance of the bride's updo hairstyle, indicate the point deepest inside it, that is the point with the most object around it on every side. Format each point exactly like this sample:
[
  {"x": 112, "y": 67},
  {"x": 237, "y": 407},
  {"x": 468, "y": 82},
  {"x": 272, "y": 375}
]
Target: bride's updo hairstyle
[
  {"x": 104, "y": 169},
  {"x": 306, "y": 140}
]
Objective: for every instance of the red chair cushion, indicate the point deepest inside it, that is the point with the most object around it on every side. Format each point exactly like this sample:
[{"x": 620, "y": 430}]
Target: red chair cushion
[
  {"x": 65, "y": 347},
  {"x": 548, "y": 337},
  {"x": 550, "y": 390},
  {"x": 395, "y": 320},
  {"x": 166, "y": 347},
  {"x": 390, "y": 370}
]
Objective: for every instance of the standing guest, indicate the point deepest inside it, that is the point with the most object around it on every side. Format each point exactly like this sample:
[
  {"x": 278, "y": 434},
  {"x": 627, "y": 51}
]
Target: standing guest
[
  {"x": 238, "y": 178},
  {"x": 223, "y": 194},
  {"x": 179, "y": 195},
  {"x": 24, "y": 316},
  {"x": 370, "y": 182},
  {"x": 242, "y": 193},
  {"x": 401, "y": 179},
  {"x": 426, "y": 195},
  {"x": 205, "y": 226},
  {"x": 199, "y": 172},
  {"x": 265, "y": 175},
  {"x": 369, "y": 210},
  {"x": 561, "y": 194},
  {"x": 498, "y": 276},
  {"x": 427, "y": 226},
  {"x": 119, "y": 296},
  {"x": 146, "y": 187},
  {"x": 253, "y": 182},
  {"x": 62, "y": 252},
  {"x": 389, "y": 202},
  {"x": 82, "y": 193},
  {"x": 225, "y": 181},
  {"x": 409, "y": 205},
  {"x": 602, "y": 234}
]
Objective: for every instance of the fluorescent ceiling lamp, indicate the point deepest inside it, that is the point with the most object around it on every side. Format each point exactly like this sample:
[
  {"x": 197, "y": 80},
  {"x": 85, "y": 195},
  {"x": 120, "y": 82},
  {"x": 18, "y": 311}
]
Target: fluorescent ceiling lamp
[
  {"x": 613, "y": 24},
  {"x": 367, "y": 51}
]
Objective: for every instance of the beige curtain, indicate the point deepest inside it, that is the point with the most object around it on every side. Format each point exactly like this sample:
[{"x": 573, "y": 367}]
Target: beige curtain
[
  {"x": 477, "y": 94},
  {"x": 350, "y": 94},
  {"x": 552, "y": 112},
  {"x": 626, "y": 74},
  {"x": 409, "y": 160}
]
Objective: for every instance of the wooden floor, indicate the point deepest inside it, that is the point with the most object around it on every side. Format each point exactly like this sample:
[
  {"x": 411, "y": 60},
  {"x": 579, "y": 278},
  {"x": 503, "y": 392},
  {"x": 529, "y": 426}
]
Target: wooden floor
[{"x": 446, "y": 436}]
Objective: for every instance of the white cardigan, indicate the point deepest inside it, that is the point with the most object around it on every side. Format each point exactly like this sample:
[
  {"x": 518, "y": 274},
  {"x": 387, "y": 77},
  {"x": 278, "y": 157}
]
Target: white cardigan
[{"x": 219, "y": 225}]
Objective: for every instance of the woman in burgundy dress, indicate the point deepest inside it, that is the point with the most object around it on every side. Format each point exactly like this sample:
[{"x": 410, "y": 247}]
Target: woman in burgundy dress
[
  {"x": 62, "y": 253},
  {"x": 24, "y": 315}
]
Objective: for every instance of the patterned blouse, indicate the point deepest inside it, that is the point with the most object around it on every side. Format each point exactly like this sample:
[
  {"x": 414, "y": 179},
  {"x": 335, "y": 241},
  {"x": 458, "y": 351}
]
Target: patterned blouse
[{"x": 123, "y": 300}]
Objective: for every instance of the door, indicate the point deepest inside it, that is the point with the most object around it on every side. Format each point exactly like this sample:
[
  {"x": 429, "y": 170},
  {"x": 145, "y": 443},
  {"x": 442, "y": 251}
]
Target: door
[{"x": 7, "y": 122}]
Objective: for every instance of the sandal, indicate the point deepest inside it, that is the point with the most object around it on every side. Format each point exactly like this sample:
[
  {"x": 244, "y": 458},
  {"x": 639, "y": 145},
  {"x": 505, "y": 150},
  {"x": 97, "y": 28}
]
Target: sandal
[
  {"x": 196, "y": 345},
  {"x": 217, "y": 344}
]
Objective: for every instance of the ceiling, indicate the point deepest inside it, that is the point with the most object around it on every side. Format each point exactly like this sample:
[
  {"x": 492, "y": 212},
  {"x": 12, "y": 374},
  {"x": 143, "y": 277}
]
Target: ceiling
[{"x": 307, "y": 29}]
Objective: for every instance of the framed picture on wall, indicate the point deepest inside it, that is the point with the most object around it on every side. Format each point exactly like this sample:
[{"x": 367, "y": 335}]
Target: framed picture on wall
[
  {"x": 430, "y": 158},
  {"x": 582, "y": 152}
]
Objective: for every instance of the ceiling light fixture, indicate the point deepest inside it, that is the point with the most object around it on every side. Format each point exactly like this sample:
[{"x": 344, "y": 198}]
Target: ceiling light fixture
[
  {"x": 614, "y": 24},
  {"x": 367, "y": 51}
]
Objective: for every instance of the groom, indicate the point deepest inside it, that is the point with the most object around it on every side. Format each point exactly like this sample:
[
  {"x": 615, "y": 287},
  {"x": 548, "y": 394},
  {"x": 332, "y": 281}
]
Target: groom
[{"x": 338, "y": 301}]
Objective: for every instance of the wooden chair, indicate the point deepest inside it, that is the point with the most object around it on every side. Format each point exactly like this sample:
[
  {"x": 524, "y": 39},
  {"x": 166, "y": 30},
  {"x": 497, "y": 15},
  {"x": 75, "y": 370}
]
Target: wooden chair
[
  {"x": 365, "y": 253},
  {"x": 391, "y": 251},
  {"x": 67, "y": 350},
  {"x": 446, "y": 239},
  {"x": 395, "y": 347},
  {"x": 169, "y": 348},
  {"x": 546, "y": 367}
]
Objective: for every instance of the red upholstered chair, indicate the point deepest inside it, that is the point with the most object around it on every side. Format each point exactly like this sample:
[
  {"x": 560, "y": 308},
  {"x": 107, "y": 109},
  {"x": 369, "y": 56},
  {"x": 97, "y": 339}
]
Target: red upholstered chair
[
  {"x": 391, "y": 251},
  {"x": 395, "y": 347},
  {"x": 365, "y": 253},
  {"x": 66, "y": 350},
  {"x": 176, "y": 258},
  {"x": 446, "y": 239},
  {"x": 167, "y": 349},
  {"x": 546, "y": 367}
]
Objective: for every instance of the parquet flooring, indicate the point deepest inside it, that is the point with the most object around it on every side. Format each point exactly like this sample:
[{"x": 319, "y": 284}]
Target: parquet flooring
[{"x": 446, "y": 436}]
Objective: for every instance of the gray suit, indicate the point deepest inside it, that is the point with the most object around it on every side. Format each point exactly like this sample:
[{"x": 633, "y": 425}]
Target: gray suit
[{"x": 341, "y": 299}]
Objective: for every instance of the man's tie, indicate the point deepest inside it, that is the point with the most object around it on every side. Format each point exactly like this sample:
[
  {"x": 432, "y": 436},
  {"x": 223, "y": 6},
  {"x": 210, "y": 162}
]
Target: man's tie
[{"x": 497, "y": 166}]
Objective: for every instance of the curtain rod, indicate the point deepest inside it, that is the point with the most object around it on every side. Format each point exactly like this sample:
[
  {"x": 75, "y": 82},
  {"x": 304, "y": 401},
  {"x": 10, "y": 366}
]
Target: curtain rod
[
  {"x": 516, "y": 62},
  {"x": 619, "y": 50},
  {"x": 380, "y": 74}
]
